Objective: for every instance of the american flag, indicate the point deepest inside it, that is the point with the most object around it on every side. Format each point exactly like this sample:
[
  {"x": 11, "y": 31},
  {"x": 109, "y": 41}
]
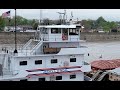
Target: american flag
[{"x": 6, "y": 14}]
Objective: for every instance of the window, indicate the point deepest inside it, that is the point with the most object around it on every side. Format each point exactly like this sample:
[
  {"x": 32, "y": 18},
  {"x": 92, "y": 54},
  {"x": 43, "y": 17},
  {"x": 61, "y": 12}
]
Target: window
[
  {"x": 58, "y": 77},
  {"x": 72, "y": 59},
  {"x": 38, "y": 62},
  {"x": 23, "y": 62},
  {"x": 72, "y": 76},
  {"x": 53, "y": 60},
  {"x": 23, "y": 80},
  {"x": 41, "y": 79},
  {"x": 73, "y": 32},
  {"x": 44, "y": 31},
  {"x": 55, "y": 30}
]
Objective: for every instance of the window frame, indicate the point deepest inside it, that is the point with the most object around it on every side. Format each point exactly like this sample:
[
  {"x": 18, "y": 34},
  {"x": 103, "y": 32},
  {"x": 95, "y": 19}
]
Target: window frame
[
  {"x": 54, "y": 62},
  {"x": 38, "y": 61},
  {"x": 24, "y": 80},
  {"x": 71, "y": 76},
  {"x": 20, "y": 63},
  {"x": 73, "y": 60},
  {"x": 57, "y": 78},
  {"x": 57, "y": 31}
]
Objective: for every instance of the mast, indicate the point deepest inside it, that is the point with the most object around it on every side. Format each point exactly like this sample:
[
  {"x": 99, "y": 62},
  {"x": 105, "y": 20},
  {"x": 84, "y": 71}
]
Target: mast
[
  {"x": 15, "y": 51},
  {"x": 62, "y": 18}
]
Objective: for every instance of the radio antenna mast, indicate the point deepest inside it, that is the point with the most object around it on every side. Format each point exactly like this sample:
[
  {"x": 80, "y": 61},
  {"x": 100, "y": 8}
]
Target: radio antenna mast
[{"x": 60, "y": 16}]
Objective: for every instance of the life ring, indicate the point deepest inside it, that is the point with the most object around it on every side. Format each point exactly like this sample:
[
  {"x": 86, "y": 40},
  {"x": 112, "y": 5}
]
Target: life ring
[{"x": 64, "y": 37}]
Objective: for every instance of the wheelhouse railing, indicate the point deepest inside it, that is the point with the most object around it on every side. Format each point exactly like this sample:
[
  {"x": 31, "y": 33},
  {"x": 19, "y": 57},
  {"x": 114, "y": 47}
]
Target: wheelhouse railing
[{"x": 60, "y": 39}]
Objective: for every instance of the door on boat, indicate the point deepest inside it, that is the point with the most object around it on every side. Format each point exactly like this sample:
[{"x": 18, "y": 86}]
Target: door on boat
[{"x": 65, "y": 34}]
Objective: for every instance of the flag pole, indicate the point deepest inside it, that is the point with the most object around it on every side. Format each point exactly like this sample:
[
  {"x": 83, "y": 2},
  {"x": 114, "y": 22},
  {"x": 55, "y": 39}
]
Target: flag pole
[
  {"x": 15, "y": 51},
  {"x": 9, "y": 19}
]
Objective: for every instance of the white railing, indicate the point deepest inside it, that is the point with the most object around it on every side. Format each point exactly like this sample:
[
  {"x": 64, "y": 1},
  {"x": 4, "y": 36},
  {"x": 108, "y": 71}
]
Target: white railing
[
  {"x": 86, "y": 78},
  {"x": 96, "y": 74},
  {"x": 60, "y": 39},
  {"x": 36, "y": 47},
  {"x": 26, "y": 45},
  {"x": 102, "y": 76}
]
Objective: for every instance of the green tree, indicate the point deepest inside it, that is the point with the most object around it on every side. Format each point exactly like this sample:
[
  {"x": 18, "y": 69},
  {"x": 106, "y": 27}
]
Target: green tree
[
  {"x": 46, "y": 21},
  {"x": 2, "y": 23},
  {"x": 106, "y": 28},
  {"x": 87, "y": 24},
  {"x": 35, "y": 25},
  {"x": 113, "y": 25},
  {"x": 100, "y": 21}
]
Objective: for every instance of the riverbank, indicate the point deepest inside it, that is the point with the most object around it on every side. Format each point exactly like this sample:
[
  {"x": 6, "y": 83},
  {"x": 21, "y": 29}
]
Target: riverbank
[
  {"x": 23, "y": 37},
  {"x": 96, "y": 37}
]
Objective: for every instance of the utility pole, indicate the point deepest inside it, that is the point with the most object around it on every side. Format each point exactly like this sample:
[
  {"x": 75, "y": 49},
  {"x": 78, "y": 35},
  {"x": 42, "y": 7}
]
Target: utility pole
[{"x": 15, "y": 51}]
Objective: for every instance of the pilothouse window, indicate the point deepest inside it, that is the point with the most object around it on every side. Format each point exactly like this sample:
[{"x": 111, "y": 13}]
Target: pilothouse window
[
  {"x": 73, "y": 32},
  {"x": 55, "y": 30}
]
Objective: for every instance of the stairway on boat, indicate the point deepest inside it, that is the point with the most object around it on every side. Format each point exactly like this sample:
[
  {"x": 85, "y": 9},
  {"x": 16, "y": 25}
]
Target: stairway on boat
[
  {"x": 30, "y": 44},
  {"x": 30, "y": 47},
  {"x": 102, "y": 76},
  {"x": 96, "y": 75}
]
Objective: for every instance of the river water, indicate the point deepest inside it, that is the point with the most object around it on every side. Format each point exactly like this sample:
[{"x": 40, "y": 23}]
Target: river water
[{"x": 102, "y": 50}]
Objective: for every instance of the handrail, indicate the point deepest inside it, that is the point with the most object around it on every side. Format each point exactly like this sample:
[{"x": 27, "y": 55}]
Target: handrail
[
  {"x": 96, "y": 74},
  {"x": 87, "y": 78},
  {"x": 27, "y": 43},
  {"x": 102, "y": 76},
  {"x": 34, "y": 48},
  {"x": 57, "y": 39}
]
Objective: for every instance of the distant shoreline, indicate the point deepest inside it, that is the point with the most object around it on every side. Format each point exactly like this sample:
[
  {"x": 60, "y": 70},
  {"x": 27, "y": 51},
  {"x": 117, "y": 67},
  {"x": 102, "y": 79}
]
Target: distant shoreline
[{"x": 23, "y": 37}]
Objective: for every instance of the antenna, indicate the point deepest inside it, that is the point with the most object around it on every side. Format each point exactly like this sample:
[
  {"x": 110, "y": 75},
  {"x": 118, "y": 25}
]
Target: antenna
[
  {"x": 71, "y": 15},
  {"x": 64, "y": 17},
  {"x": 60, "y": 16},
  {"x": 15, "y": 51}
]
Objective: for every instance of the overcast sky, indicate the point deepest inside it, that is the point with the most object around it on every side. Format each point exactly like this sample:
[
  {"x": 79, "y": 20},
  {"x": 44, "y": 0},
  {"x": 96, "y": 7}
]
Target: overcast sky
[{"x": 108, "y": 14}]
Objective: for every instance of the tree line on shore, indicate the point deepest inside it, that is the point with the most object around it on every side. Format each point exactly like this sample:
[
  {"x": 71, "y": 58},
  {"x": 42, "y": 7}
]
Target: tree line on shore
[{"x": 89, "y": 24}]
